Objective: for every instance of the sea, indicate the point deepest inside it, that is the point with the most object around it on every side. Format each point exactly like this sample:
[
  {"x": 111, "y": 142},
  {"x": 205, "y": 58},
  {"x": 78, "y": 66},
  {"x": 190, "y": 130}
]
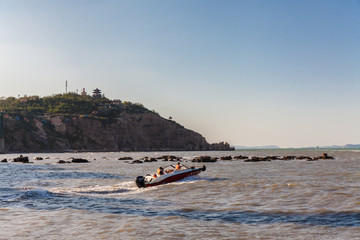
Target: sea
[{"x": 278, "y": 199}]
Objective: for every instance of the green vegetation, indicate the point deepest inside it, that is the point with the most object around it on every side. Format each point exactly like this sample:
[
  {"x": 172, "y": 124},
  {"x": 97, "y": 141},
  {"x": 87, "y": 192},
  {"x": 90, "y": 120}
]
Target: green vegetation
[{"x": 70, "y": 104}]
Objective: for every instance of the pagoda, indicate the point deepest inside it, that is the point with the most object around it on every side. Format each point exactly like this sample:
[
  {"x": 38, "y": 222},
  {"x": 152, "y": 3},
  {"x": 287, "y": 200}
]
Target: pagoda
[{"x": 97, "y": 93}]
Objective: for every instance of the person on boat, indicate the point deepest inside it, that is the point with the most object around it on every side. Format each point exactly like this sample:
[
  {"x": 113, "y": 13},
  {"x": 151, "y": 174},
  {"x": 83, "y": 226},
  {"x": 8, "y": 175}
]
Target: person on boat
[
  {"x": 169, "y": 170},
  {"x": 178, "y": 166},
  {"x": 160, "y": 171}
]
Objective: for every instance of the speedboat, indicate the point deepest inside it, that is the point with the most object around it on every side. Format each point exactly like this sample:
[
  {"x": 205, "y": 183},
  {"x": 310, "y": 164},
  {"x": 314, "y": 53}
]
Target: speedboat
[{"x": 170, "y": 175}]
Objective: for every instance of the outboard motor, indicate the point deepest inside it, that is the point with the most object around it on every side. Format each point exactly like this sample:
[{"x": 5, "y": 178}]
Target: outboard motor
[
  {"x": 140, "y": 181},
  {"x": 203, "y": 168}
]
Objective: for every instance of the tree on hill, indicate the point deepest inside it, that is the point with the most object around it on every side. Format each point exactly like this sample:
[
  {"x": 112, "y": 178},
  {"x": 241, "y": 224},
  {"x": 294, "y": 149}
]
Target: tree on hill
[{"x": 67, "y": 104}]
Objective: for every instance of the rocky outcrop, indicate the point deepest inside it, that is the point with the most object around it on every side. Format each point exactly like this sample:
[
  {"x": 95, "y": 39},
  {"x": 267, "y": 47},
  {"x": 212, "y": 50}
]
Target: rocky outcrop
[
  {"x": 284, "y": 158},
  {"x": 125, "y": 158},
  {"x": 323, "y": 156},
  {"x": 130, "y": 132},
  {"x": 221, "y": 146},
  {"x": 205, "y": 159},
  {"x": 21, "y": 159}
]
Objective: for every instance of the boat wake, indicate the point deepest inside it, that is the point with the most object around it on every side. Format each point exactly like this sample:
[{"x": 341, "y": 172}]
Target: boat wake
[
  {"x": 123, "y": 187},
  {"x": 126, "y": 187}
]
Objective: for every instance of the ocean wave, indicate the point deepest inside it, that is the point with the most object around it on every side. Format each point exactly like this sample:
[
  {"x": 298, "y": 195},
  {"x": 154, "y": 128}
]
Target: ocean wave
[{"x": 38, "y": 193}]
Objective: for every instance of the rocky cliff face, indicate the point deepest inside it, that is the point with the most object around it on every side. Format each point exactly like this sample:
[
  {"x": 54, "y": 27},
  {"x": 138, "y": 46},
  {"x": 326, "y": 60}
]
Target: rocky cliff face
[{"x": 130, "y": 132}]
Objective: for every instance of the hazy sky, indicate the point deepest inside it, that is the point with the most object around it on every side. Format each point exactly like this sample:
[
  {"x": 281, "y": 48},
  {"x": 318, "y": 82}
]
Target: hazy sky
[{"x": 249, "y": 72}]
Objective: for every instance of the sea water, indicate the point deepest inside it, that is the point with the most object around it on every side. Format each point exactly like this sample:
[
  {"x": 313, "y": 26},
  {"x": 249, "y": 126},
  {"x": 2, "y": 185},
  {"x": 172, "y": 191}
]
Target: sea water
[{"x": 295, "y": 199}]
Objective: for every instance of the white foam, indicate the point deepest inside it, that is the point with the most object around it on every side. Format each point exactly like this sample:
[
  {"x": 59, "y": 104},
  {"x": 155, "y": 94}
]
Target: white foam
[{"x": 122, "y": 187}]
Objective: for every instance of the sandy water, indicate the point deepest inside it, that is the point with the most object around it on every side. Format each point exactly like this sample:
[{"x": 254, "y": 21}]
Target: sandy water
[{"x": 295, "y": 199}]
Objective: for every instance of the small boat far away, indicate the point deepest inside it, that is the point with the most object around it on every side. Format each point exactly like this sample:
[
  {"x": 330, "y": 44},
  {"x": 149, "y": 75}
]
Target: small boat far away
[{"x": 169, "y": 174}]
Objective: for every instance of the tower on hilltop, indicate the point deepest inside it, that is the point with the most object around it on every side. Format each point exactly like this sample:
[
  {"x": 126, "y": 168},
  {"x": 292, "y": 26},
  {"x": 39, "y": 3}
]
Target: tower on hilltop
[
  {"x": 83, "y": 92},
  {"x": 97, "y": 93}
]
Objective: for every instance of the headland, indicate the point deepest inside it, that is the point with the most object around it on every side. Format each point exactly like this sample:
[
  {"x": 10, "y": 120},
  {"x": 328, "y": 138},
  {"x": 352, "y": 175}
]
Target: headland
[{"x": 80, "y": 122}]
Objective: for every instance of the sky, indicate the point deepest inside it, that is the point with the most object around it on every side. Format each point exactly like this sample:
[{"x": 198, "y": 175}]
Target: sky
[{"x": 249, "y": 72}]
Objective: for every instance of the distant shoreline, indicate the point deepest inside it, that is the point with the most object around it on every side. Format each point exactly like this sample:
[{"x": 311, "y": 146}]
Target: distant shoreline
[
  {"x": 236, "y": 149},
  {"x": 347, "y": 146}
]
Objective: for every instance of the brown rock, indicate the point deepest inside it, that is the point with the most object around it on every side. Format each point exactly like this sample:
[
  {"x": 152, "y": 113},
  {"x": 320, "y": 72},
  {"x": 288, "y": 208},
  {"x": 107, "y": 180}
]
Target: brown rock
[
  {"x": 136, "y": 161},
  {"x": 326, "y": 156},
  {"x": 21, "y": 159},
  {"x": 79, "y": 160},
  {"x": 125, "y": 158},
  {"x": 240, "y": 157},
  {"x": 63, "y": 161},
  {"x": 204, "y": 159}
]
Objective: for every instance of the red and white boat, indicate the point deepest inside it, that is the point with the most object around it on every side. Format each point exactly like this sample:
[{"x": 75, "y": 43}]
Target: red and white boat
[{"x": 171, "y": 175}]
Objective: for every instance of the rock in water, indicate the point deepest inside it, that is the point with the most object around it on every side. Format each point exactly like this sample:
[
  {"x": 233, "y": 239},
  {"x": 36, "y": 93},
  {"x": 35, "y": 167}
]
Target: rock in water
[
  {"x": 21, "y": 159},
  {"x": 79, "y": 160},
  {"x": 204, "y": 159}
]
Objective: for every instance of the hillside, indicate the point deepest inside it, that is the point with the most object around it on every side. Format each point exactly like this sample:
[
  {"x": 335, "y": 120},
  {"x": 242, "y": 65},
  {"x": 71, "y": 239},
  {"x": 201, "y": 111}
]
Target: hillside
[{"x": 72, "y": 122}]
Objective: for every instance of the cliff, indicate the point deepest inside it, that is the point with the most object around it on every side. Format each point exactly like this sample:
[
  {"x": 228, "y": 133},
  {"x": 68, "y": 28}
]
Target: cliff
[{"x": 130, "y": 132}]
